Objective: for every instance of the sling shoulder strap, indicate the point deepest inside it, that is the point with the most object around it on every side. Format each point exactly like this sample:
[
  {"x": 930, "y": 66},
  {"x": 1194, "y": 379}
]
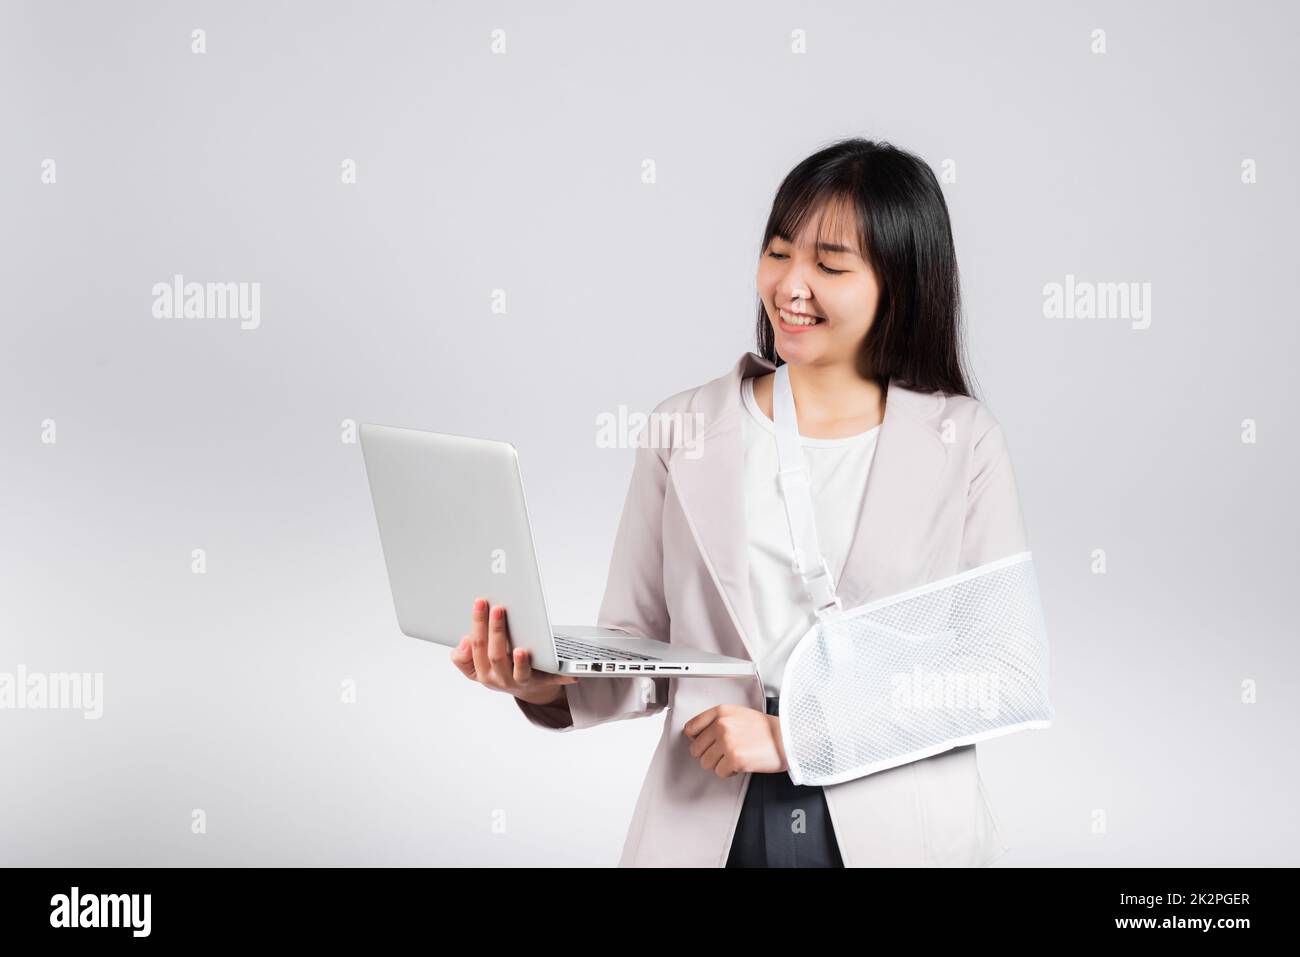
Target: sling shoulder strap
[{"x": 796, "y": 489}]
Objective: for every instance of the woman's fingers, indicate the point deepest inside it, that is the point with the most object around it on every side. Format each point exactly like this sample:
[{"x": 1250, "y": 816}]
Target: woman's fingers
[
  {"x": 524, "y": 673},
  {"x": 486, "y": 655},
  {"x": 523, "y": 665},
  {"x": 712, "y": 755},
  {"x": 499, "y": 647},
  {"x": 478, "y": 638},
  {"x": 478, "y": 620},
  {"x": 462, "y": 656}
]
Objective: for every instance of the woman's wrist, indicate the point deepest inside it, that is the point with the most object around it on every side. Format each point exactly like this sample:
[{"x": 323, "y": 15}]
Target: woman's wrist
[{"x": 775, "y": 723}]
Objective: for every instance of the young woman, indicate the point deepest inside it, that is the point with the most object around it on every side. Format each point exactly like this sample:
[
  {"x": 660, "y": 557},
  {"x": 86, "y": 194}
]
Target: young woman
[{"x": 911, "y": 480}]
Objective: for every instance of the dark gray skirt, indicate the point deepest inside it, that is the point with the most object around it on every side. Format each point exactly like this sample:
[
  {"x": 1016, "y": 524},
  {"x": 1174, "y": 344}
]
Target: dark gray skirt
[{"x": 771, "y": 834}]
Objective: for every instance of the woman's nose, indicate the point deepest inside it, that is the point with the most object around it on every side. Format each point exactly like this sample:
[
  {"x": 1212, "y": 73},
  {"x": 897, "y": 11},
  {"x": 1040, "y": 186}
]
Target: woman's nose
[
  {"x": 793, "y": 285},
  {"x": 790, "y": 292}
]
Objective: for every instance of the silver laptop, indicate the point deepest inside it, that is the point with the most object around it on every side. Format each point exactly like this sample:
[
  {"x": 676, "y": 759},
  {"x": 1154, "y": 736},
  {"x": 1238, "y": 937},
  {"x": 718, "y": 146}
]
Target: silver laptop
[{"x": 454, "y": 527}]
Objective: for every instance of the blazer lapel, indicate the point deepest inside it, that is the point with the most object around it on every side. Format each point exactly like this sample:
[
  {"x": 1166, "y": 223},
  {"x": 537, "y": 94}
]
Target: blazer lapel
[
  {"x": 902, "y": 482},
  {"x": 909, "y": 458},
  {"x": 710, "y": 490}
]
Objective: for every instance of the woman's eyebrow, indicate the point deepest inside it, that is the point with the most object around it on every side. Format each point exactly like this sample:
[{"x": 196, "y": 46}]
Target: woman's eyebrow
[
  {"x": 825, "y": 247},
  {"x": 836, "y": 248}
]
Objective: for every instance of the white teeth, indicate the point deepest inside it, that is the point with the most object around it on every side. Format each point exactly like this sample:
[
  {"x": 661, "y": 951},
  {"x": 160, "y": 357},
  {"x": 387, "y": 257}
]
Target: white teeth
[{"x": 797, "y": 320}]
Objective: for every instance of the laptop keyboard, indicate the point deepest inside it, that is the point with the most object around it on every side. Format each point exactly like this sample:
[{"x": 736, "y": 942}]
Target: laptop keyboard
[{"x": 571, "y": 649}]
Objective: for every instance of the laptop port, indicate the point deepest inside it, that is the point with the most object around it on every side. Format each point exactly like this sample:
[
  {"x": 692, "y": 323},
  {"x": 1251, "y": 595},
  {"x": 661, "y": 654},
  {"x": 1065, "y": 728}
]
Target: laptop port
[
  {"x": 595, "y": 666},
  {"x": 670, "y": 668},
  {"x": 649, "y": 667},
  {"x": 579, "y": 667},
  {"x": 633, "y": 667}
]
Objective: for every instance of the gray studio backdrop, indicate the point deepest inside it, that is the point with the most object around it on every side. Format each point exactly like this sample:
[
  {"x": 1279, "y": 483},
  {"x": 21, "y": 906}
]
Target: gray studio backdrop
[{"x": 180, "y": 513}]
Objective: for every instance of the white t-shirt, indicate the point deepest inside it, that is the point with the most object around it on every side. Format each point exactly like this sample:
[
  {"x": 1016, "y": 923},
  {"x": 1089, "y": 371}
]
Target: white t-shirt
[{"x": 838, "y": 471}]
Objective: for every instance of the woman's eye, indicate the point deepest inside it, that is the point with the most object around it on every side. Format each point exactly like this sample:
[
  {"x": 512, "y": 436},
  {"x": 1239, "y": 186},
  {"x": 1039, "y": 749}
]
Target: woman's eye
[{"x": 833, "y": 272}]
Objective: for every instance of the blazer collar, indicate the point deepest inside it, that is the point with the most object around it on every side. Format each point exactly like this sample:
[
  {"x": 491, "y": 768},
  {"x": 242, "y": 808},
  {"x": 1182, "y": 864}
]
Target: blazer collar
[{"x": 910, "y": 456}]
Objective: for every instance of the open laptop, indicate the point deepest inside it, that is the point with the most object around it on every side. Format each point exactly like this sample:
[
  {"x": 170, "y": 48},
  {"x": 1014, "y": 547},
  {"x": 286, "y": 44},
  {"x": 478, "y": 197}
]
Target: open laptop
[{"x": 454, "y": 527}]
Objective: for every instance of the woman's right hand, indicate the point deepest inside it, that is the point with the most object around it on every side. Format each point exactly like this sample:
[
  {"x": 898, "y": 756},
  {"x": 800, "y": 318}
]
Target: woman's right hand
[{"x": 485, "y": 656}]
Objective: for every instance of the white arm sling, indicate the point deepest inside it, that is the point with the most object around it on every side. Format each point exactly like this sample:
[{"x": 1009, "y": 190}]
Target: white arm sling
[{"x": 908, "y": 676}]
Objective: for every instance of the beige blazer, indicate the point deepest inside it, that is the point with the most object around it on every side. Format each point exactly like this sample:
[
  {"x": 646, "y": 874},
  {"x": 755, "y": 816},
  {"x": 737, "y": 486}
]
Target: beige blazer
[{"x": 940, "y": 498}]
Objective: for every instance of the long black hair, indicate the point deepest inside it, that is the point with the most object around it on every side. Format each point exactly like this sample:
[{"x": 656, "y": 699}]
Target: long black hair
[{"x": 916, "y": 338}]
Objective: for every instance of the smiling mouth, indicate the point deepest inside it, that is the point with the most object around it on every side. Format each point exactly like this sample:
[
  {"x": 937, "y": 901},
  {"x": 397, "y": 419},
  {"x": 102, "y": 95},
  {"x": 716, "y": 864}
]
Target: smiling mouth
[{"x": 799, "y": 320}]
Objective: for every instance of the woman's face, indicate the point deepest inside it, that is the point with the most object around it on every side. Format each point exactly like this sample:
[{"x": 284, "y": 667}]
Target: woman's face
[{"x": 834, "y": 283}]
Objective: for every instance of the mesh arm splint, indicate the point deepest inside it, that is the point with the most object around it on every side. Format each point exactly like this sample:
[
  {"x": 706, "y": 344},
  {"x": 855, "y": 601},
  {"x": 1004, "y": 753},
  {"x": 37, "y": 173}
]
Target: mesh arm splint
[
  {"x": 956, "y": 661},
  {"x": 949, "y": 663}
]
